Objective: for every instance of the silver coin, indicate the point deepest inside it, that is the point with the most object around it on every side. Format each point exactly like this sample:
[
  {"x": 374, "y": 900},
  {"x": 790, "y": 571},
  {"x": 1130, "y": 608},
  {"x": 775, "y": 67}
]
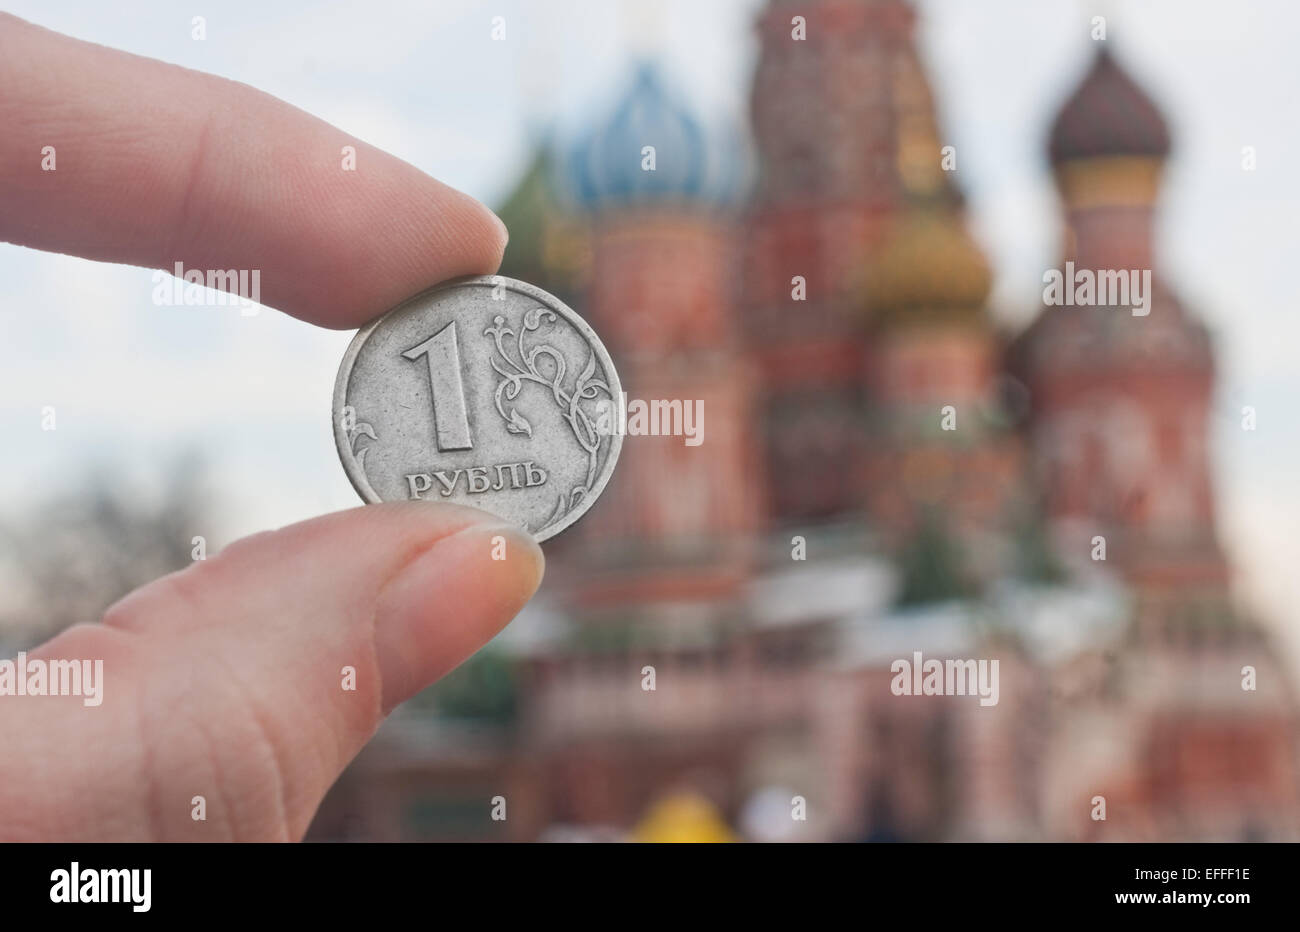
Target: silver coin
[{"x": 482, "y": 391}]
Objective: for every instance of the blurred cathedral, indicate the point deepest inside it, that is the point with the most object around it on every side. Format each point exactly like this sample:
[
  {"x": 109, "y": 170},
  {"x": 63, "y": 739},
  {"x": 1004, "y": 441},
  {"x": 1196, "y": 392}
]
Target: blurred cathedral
[{"x": 711, "y": 653}]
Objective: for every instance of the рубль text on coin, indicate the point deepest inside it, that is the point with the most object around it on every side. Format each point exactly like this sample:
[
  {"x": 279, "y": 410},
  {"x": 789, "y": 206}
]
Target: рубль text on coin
[{"x": 478, "y": 479}]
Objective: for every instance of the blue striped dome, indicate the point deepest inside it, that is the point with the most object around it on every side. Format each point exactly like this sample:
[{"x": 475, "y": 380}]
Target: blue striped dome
[{"x": 606, "y": 166}]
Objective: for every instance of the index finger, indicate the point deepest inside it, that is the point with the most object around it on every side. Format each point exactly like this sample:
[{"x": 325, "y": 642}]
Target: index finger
[{"x": 156, "y": 164}]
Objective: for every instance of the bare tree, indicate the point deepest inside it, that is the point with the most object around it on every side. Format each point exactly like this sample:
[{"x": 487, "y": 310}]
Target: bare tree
[{"x": 73, "y": 557}]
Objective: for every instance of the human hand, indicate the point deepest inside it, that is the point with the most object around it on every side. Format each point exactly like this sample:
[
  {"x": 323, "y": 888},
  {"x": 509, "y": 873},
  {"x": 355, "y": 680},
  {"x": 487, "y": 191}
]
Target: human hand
[{"x": 224, "y": 680}]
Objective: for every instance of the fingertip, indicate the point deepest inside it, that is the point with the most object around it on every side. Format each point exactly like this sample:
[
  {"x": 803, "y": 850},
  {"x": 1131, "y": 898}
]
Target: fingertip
[
  {"x": 530, "y": 560},
  {"x": 485, "y": 236},
  {"x": 450, "y": 601},
  {"x": 503, "y": 235}
]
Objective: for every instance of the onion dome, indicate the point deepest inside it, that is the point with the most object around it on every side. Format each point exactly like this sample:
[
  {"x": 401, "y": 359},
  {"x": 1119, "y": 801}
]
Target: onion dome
[
  {"x": 928, "y": 268},
  {"x": 548, "y": 241},
  {"x": 1108, "y": 115},
  {"x": 609, "y": 165}
]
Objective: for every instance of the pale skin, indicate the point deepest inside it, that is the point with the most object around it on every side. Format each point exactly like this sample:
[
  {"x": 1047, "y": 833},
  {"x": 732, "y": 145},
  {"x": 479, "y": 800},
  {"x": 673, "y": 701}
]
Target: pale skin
[{"x": 225, "y": 680}]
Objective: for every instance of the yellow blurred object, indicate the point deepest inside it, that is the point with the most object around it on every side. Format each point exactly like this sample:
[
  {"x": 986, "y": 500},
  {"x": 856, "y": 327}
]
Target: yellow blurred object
[{"x": 682, "y": 818}]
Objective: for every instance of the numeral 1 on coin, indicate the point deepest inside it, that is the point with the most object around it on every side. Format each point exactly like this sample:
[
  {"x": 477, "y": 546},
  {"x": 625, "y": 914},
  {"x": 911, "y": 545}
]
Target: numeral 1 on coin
[{"x": 450, "y": 423}]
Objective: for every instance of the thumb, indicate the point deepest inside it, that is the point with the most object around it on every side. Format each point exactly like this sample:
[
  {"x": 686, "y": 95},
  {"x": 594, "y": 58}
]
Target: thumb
[{"x": 229, "y": 680}]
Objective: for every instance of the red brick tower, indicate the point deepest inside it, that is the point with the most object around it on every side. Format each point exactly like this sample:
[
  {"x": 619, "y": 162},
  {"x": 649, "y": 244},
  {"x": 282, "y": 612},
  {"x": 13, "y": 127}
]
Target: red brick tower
[
  {"x": 662, "y": 297},
  {"x": 941, "y": 444},
  {"x": 830, "y": 113},
  {"x": 1120, "y": 401},
  {"x": 1119, "y": 436}
]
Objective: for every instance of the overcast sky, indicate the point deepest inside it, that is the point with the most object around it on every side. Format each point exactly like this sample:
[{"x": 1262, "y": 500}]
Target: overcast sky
[{"x": 134, "y": 383}]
